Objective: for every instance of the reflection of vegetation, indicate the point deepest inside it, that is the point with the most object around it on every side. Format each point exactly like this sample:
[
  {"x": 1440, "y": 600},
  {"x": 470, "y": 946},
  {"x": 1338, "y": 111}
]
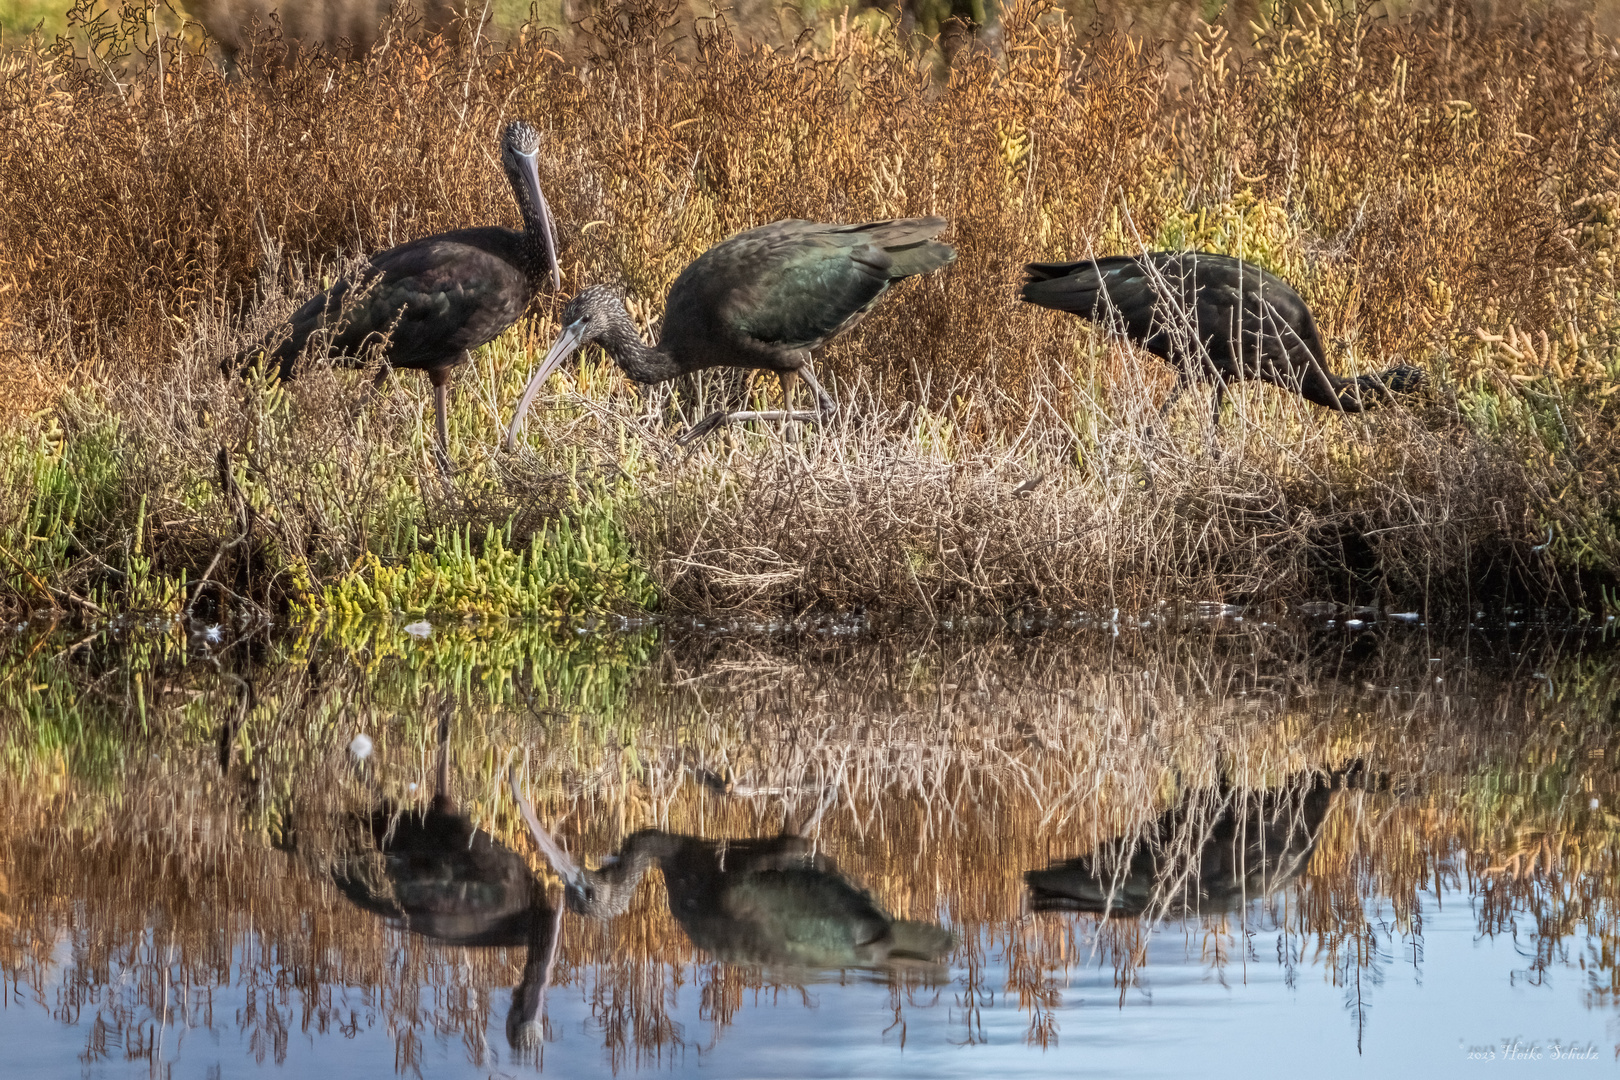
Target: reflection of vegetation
[{"x": 958, "y": 766}]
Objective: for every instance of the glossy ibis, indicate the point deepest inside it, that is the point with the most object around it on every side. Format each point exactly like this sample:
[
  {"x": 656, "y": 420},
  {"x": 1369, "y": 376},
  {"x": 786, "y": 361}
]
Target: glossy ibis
[
  {"x": 764, "y": 299},
  {"x": 764, "y": 902},
  {"x": 1210, "y": 854},
  {"x": 1213, "y": 318},
  {"x": 434, "y": 873},
  {"x": 430, "y": 302}
]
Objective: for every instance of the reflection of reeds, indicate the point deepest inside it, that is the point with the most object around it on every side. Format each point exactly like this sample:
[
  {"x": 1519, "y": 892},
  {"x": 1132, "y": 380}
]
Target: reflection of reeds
[{"x": 959, "y": 765}]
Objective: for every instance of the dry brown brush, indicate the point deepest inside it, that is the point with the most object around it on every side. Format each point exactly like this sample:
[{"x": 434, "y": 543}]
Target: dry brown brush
[{"x": 1444, "y": 193}]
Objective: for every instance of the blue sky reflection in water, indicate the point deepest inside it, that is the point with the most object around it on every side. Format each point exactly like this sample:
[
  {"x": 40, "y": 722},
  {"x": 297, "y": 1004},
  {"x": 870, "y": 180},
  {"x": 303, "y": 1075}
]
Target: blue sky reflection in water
[{"x": 190, "y": 882}]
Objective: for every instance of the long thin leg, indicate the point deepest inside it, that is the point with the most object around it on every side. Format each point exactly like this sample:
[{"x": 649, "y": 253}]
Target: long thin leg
[
  {"x": 824, "y": 401},
  {"x": 1215, "y": 418},
  {"x": 371, "y": 394},
  {"x": 441, "y": 409},
  {"x": 1175, "y": 394},
  {"x": 787, "y": 379},
  {"x": 1182, "y": 381}
]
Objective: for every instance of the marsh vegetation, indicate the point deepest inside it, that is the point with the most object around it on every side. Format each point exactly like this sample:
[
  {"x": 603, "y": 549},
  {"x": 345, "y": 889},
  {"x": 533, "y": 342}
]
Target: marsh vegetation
[
  {"x": 1069, "y": 704},
  {"x": 1442, "y": 192}
]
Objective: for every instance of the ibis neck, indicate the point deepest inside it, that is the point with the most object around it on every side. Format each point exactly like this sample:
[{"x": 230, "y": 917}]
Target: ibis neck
[
  {"x": 536, "y": 267},
  {"x": 615, "y": 884},
  {"x": 536, "y": 237},
  {"x": 642, "y": 362}
]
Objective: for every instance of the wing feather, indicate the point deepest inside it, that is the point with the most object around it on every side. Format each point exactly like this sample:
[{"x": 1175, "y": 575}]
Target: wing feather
[{"x": 794, "y": 284}]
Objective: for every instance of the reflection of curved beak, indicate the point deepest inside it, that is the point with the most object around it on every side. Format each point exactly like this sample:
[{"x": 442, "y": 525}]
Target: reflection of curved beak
[
  {"x": 561, "y": 862},
  {"x": 561, "y": 349},
  {"x": 531, "y": 181}
]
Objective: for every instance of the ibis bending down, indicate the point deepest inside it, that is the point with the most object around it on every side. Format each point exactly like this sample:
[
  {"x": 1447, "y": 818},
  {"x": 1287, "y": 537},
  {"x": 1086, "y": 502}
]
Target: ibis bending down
[
  {"x": 1213, "y": 318},
  {"x": 763, "y": 902},
  {"x": 430, "y": 302},
  {"x": 764, "y": 299},
  {"x": 1213, "y": 853}
]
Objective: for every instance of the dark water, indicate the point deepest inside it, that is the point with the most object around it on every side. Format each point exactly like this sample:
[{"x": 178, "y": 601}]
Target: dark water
[{"x": 1224, "y": 846}]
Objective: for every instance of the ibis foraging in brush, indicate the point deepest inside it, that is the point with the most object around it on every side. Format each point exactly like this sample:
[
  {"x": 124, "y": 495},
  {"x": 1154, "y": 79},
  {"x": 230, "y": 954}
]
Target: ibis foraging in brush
[
  {"x": 1213, "y": 318},
  {"x": 430, "y": 302},
  {"x": 764, "y": 299}
]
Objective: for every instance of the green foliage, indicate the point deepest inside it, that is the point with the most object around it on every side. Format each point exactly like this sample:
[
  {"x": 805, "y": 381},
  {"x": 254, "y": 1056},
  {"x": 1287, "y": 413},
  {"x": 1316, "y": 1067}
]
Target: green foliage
[
  {"x": 327, "y": 523},
  {"x": 22, "y": 17},
  {"x": 573, "y": 567}
]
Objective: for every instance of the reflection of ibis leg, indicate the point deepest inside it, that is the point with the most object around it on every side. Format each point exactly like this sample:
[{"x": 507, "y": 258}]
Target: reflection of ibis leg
[
  {"x": 525, "y": 1023},
  {"x": 441, "y": 779},
  {"x": 824, "y": 802}
]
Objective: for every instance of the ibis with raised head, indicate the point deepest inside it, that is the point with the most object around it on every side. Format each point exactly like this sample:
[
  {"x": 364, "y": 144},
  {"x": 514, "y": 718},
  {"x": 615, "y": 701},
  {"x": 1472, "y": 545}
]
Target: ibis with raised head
[{"x": 428, "y": 303}]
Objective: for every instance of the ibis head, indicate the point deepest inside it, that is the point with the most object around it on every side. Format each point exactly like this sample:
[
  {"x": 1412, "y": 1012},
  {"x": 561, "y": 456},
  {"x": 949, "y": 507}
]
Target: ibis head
[
  {"x": 597, "y": 314},
  {"x": 520, "y": 154}
]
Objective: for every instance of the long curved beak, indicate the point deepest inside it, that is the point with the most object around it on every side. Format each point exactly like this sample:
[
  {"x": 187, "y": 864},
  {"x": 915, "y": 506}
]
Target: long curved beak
[
  {"x": 561, "y": 349},
  {"x": 561, "y": 862},
  {"x": 537, "y": 199}
]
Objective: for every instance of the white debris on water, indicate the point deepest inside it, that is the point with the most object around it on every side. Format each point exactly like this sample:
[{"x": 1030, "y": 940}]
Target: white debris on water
[
  {"x": 1354, "y": 624},
  {"x": 360, "y": 746},
  {"x": 421, "y": 628},
  {"x": 1405, "y": 616}
]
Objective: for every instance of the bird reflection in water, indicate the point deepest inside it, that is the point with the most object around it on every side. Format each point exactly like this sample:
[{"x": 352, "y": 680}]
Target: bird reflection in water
[
  {"x": 765, "y": 902},
  {"x": 1210, "y": 854},
  {"x": 435, "y": 874}
]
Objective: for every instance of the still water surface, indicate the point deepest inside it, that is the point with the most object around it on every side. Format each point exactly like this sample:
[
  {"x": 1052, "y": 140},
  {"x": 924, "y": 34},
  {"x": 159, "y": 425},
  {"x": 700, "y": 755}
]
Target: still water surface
[{"x": 1220, "y": 846}]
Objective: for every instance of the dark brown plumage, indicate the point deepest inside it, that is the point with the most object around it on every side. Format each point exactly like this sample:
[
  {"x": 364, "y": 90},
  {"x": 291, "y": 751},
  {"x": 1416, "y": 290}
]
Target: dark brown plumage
[
  {"x": 764, "y": 299},
  {"x": 430, "y": 302},
  {"x": 1213, "y": 318}
]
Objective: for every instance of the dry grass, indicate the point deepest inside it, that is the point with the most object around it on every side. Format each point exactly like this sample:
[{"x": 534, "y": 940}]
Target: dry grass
[{"x": 1445, "y": 193}]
